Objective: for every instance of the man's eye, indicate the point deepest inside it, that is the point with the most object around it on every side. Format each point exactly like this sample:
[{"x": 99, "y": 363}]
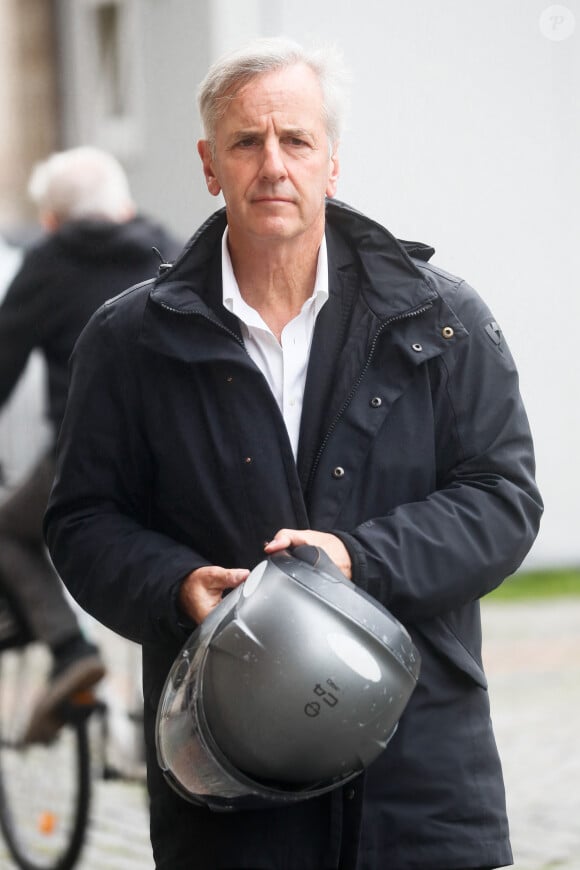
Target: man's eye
[{"x": 247, "y": 142}]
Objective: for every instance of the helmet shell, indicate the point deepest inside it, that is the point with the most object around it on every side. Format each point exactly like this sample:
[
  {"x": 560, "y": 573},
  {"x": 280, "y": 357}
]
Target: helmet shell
[{"x": 293, "y": 685}]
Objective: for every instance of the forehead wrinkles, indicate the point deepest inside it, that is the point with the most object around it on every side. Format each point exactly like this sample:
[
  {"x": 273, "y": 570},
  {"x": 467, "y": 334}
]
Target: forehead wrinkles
[{"x": 292, "y": 96}]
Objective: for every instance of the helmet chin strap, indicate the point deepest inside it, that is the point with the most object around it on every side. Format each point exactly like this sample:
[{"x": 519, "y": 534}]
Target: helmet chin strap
[{"x": 306, "y": 553}]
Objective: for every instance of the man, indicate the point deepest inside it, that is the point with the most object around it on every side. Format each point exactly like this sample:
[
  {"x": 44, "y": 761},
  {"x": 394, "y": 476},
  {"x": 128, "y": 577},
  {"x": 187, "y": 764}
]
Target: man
[
  {"x": 299, "y": 376},
  {"x": 94, "y": 246}
]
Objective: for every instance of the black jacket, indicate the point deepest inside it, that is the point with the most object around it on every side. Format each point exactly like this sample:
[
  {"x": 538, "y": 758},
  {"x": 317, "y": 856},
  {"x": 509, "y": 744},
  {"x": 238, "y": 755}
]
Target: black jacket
[
  {"x": 174, "y": 455},
  {"x": 63, "y": 279}
]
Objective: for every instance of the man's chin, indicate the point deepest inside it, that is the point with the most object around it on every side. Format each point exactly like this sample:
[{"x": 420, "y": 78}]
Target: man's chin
[{"x": 274, "y": 227}]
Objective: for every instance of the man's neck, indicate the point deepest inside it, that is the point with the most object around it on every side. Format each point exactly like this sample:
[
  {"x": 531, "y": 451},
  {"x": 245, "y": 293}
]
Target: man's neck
[{"x": 276, "y": 279}]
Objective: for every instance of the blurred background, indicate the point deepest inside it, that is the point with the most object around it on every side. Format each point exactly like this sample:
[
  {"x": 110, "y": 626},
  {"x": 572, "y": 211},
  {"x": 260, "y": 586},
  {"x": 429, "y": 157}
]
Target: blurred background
[{"x": 463, "y": 131}]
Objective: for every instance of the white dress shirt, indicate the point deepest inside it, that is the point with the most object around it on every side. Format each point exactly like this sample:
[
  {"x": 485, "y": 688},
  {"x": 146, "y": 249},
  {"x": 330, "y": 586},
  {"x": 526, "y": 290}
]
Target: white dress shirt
[{"x": 282, "y": 363}]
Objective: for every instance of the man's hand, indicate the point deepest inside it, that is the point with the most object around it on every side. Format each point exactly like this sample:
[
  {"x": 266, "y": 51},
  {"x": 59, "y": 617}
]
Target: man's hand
[
  {"x": 332, "y": 545},
  {"x": 202, "y": 590}
]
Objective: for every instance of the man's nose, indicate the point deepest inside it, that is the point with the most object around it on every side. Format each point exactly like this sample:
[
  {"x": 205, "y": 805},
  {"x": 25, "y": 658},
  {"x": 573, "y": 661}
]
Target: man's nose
[{"x": 273, "y": 166}]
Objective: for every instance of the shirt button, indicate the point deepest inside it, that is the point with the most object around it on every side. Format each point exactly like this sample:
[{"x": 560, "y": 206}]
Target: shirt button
[{"x": 338, "y": 472}]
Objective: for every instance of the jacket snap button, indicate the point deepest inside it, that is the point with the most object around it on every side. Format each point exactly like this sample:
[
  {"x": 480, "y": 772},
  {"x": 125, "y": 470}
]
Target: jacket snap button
[
  {"x": 229, "y": 379},
  {"x": 350, "y": 794},
  {"x": 447, "y": 332},
  {"x": 247, "y": 460},
  {"x": 417, "y": 347},
  {"x": 376, "y": 402},
  {"x": 338, "y": 472}
]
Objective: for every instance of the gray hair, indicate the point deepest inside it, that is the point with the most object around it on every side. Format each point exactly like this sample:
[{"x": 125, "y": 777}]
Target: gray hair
[
  {"x": 230, "y": 73},
  {"x": 81, "y": 183}
]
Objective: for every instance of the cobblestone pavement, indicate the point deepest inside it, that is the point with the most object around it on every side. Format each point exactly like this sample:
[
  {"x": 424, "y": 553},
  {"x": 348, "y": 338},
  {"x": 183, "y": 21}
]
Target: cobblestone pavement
[{"x": 532, "y": 657}]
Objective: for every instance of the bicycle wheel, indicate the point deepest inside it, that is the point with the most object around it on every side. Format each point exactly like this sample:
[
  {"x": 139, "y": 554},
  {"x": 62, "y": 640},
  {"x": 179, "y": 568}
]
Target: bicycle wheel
[{"x": 44, "y": 788}]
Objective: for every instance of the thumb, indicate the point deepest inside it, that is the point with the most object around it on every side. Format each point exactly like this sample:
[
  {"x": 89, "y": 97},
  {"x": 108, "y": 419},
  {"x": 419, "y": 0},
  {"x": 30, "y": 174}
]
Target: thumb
[
  {"x": 235, "y": 576},
  {"x": 281, "y": 541}
]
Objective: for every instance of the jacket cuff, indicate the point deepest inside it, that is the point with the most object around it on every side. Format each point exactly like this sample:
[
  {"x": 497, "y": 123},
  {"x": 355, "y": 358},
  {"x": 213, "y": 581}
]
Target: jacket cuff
[
  {"x": 357, "y": 558},
  {"x": 185, "y": 624}
]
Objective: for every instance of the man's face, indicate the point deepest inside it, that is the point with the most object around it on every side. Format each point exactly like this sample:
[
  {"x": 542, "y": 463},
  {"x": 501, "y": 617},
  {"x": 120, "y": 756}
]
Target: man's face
[{"x": 272, "y": 158}]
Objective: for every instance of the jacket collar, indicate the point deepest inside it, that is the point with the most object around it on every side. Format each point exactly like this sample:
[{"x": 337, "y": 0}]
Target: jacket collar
[
  {"x": 389, "y": 281},
  {"x": 184, "y": 286}
]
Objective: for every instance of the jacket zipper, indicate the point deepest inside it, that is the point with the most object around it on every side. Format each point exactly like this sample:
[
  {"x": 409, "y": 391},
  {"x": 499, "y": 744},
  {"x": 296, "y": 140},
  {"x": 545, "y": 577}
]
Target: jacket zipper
[
  {"x": 211, "y": 320},
  {"x": 397, "y": 317}
]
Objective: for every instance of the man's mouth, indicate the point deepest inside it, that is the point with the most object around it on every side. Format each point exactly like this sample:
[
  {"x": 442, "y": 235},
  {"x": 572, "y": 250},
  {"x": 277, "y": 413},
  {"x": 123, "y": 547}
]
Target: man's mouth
[{"x": 272, "y": 199}]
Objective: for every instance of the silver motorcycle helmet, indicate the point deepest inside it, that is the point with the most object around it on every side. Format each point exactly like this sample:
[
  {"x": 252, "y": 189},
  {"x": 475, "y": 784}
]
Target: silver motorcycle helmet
[{"x": 292, "y": 686}]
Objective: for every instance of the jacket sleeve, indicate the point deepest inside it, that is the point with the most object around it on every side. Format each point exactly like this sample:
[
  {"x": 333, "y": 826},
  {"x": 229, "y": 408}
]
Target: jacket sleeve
[
  {"x": 428, "y": 557},
  {"x": 119, "y": 570},
  {"x": 20, "y": 312}
]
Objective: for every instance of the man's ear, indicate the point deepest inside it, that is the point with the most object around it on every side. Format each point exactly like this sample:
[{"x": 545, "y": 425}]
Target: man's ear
[
  {"x": 334, "y": 172},
  {"x": 204, "y": 151}
]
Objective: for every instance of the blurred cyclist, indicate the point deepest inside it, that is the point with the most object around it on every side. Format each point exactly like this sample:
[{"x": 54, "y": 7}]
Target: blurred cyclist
[{"x": 94, "y": 245}]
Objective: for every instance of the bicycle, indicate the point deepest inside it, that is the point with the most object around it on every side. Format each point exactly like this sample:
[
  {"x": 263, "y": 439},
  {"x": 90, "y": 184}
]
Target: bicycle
[{"x": 45, "y": 788}]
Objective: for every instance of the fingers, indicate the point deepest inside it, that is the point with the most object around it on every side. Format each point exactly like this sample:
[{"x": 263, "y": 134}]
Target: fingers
[
  {"x": 287, "y": 538},
  {"x": 234, "y": 576},
  {"x": 332, "y": 545},
  {"x": 214, "y": 577},
  {"x": 202, "y": 590}
]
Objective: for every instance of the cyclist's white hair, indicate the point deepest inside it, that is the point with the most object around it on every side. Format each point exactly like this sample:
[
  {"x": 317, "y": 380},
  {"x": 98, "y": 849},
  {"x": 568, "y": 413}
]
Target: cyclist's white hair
[
  {"x": 231, "y": 72},
  {"x": 81, "y": 183}
]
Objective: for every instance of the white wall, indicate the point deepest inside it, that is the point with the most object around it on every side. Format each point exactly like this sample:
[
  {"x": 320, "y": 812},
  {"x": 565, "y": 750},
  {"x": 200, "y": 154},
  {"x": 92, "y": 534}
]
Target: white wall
[{"x": 464, "y": 131}]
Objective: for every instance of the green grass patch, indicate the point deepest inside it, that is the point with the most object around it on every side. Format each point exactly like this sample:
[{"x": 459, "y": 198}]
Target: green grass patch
[{"x": 538, "y": 584}]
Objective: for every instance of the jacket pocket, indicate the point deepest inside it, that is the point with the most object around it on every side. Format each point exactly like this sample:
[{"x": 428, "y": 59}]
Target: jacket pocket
[{"x": 445, "y": 643}]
